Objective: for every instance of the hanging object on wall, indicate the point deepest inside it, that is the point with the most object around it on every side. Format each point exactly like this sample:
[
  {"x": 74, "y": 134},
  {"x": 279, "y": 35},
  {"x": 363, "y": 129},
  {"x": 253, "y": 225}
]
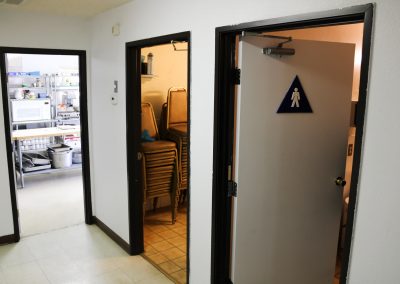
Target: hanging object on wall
[
  {"x": 150, "y": 63},
  {"x": 174, "y": 42},
  {"x": 295, "y": 100}
]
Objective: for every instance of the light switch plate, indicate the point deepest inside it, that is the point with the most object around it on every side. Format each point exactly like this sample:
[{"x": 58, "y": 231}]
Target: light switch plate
[{"x": 115, "y": 30}]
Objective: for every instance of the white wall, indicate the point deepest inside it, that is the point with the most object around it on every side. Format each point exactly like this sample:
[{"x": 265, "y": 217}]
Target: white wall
[
  {"x": 170, "y": 70},
  {"x": 6, "y": 221},
  {"x": 41, "y": 31},
  {"x": 46, "y": 64},
  {"x": 376, "y": 247}
]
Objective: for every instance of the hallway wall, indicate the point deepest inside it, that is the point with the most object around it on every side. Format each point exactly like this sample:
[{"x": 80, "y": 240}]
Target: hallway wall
[
  {"x": 35, "y": 30},
  {"x": 377, "y": 228}
]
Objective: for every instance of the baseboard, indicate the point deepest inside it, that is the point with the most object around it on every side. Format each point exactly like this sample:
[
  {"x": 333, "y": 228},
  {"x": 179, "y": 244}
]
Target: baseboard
[
  {"x": 9, "y": 239},
  {"x": 121, "y": 242}
]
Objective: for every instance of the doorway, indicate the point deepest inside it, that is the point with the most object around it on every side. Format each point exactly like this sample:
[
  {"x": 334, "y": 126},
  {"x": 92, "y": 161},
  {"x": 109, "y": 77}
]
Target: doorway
[
  {"x": 45, "y": 112},
  {"x": 277, "y": 239},
  {"x": 158, "y": 139}
]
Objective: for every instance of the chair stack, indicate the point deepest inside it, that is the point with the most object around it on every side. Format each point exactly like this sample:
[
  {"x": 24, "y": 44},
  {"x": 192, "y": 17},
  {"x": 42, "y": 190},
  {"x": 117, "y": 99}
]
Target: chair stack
[
  {"x": 177, "y": 131},
  {"x": 159, "y": 165}
]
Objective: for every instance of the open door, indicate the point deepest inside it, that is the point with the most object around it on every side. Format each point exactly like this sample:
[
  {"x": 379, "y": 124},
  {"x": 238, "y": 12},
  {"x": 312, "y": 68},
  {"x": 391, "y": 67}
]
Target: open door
[{"x": 288, "y": 206}]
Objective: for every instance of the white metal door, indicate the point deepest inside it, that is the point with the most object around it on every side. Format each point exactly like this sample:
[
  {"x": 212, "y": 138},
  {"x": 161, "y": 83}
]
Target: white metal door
[{"x": 287, "y": 212}]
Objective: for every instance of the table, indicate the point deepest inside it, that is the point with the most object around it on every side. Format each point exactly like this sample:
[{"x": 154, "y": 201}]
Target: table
[{"x": 27, "y": 134}]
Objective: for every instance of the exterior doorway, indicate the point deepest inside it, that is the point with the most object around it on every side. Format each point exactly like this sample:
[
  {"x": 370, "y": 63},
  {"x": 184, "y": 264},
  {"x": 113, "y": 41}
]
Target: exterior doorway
[{"x": 256, "y": 105}]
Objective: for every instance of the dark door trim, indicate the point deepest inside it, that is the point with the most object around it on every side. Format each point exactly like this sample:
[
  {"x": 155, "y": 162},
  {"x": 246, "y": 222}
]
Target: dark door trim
[
  {"x": 84, "y": 126},
  {"x": 133, "y": 134},
  {"x": 223, "y": 121}
]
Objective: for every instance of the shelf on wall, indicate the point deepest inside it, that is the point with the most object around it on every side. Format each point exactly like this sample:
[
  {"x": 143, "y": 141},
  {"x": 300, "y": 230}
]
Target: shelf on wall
[
  {"x": 51, "y": 170},
  {"x": 21, "y": 87},
  {"x": 148, "y": 75},
  {"x": 67, "y": 88}
]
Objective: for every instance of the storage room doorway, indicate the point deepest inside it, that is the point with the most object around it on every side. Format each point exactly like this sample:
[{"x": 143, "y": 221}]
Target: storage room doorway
[
  {"x": 295, "y": 122},
  {"x": 44, "y": 97},
  {"x": 162, "y": 157}
]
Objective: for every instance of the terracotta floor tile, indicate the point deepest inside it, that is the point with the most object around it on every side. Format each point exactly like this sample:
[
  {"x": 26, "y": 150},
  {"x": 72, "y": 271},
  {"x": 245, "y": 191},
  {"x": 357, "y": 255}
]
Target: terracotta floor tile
[
  {"x": 182, "y": 248},
  {"x": 150, "y": 250},
  {"x": 181, "y": 262},
  {"x": 168, "y": 234},
  {"x": 158, "y": 228},
  {"x": 179, "y": 276},
  {"x": 162, "y": 246},
  {"x": 177, "y": 241},
  {"x": 173, "y": 253},
  {"x": 157, "y": 258},
  {"x": 153, "y": 238},
  {"x": 165, "y": 243},
  {"x": 169, "y": 267}
]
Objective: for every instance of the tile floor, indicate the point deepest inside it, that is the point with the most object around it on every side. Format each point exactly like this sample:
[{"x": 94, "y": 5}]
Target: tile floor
[
  {"x": 51, "y": 201},
  {"x": 77, "y": 254},
  {"x": 165, "y": 244}
]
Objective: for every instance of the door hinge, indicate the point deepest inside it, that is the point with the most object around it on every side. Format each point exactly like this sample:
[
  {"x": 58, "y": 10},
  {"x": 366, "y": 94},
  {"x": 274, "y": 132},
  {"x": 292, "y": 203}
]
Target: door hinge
[
  {"x": 236, "y": 76},
  {"x": 232, "y": 189}
]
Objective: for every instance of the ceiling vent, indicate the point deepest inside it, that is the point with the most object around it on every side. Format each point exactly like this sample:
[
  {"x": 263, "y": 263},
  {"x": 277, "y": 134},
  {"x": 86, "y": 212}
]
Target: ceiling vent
[{"x": 12, "y": 2}]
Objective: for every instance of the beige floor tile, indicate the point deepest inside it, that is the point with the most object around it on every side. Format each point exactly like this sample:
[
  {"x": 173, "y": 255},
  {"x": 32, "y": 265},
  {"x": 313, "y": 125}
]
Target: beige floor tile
[
  {"x": 139, "y": 272},
  {"x": 114, "y": 277},
  {"x": 61, "y": 194},
  {"x": 59, "y": 269},
  {"x": 2, "y": 279},
  {"x": 13, "y": 254},
  {"x": 159, "y": 279},
  {"x": 24, "y": 273},
  {"x": 98, "y": 266}
]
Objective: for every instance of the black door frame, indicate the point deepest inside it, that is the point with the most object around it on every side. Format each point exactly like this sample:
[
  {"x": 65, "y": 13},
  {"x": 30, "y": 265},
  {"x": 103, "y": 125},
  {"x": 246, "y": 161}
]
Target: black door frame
[
  {"x": 225, "y": 78},
  {"x": 133, "y": 134},
  {"x": 84, "y": 127}
]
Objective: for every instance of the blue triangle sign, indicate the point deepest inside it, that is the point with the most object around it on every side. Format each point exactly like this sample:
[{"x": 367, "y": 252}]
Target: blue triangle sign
[{"x": 295, "y": 100}]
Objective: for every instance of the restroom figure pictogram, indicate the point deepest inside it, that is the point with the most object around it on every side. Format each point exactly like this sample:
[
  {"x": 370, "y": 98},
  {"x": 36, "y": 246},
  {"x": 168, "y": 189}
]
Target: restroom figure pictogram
[{"x": 295, "y": 98}]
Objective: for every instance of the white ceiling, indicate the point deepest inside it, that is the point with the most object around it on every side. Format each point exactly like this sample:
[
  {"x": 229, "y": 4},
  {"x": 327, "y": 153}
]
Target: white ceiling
[{"x": 77, "y": 8}]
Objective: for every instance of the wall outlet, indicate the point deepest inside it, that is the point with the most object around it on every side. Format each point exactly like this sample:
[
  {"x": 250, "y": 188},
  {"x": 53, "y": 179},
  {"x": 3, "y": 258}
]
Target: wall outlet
[{"x": 114, "y": 99}]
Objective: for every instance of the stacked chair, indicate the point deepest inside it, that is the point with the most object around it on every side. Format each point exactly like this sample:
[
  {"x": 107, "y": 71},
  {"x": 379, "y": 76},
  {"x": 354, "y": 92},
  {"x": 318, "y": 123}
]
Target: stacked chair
[
  {"x": 176, "y": 127},
  {"x": 159, "y": 165}
]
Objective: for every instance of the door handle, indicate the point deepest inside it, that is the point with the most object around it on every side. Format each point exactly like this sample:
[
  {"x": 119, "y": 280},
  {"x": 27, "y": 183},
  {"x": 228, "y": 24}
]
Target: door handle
[{"x": 340, "y": 181}]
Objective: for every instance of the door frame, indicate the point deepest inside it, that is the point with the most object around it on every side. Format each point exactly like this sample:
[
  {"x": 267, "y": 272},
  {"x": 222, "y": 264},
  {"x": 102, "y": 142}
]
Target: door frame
[
  {"x": 225, "y": 80},
  {"x": 87, "y": 195},
  {"x": 133, "y": 134}
]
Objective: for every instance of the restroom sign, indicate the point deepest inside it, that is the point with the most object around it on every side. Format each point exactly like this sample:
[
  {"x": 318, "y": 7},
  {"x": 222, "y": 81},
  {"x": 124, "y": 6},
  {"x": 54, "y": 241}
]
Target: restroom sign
[{"x": 295, "y": 100}]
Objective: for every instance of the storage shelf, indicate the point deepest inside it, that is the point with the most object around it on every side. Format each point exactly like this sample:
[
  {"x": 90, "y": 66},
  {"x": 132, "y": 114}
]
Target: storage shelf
[
  {"x": 21, "y": 87},
  {"x": 34, "y": 121},
  {"x": 47, "y": 171},
  {"x": 60, "y": 88}
]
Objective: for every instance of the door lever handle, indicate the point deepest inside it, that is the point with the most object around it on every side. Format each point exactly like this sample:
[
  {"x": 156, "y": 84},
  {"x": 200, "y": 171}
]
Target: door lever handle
[{"x": 340, "y": 181}]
